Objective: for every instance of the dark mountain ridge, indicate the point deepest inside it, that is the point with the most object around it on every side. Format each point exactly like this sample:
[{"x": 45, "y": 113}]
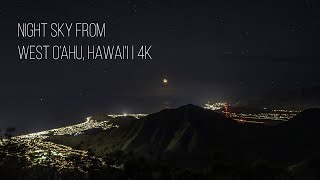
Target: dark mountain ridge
[{"x": 192, "y": 135}]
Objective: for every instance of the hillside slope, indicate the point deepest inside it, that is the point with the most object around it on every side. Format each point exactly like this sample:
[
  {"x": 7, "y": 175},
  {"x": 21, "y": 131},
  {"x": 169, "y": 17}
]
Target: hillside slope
[{"x": 192, "y": 135}]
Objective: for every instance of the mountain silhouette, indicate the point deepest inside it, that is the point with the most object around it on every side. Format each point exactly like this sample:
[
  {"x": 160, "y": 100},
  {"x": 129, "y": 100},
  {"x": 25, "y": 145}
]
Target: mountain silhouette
[
  {"x": 188, "y": 131},
  {"x": 193, "y": 136},
  {"x": 298, "y": 138}
]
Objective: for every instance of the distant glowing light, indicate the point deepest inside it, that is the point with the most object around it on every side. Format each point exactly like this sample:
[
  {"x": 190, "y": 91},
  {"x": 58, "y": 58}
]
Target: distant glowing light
[
  {"x": 216, "y": 106},
  {"x": 125, "y": 114},
  {"x": 88, "y": 119},
  {"x": 165, "y": 81}
]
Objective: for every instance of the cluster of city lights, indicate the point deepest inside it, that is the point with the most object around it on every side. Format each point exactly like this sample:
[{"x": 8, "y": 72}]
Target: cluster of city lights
[
  {"x": 286, "y": 111},
  {"x": 262, "y": 116},
  {"x": 215, "y": 106},
  {"x": 257, "y": 118},
  {"x": 44, "y": 153},
  {"x": 80, "y": 128},
  {"x": 137, "y": 116}
]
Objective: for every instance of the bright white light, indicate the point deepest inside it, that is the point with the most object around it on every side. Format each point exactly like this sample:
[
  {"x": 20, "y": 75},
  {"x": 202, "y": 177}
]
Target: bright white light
[
  {"x": 215, "y": 106},
  {"x": 88, "y": 119},
  {"x": 165, "y": 81}
]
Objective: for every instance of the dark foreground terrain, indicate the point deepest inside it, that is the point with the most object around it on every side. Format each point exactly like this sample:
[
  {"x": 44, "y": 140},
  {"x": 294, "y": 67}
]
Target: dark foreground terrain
[{"x": 184, "y": 143}]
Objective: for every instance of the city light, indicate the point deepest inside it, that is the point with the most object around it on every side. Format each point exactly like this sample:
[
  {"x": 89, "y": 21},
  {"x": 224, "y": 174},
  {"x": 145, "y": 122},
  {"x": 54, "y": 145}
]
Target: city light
[
  {"x": 165, "y": 81},
  {"x": 257, "y": 117},
  {"x": 215, "y": 106},
  {"x": 42, "y": 152}
]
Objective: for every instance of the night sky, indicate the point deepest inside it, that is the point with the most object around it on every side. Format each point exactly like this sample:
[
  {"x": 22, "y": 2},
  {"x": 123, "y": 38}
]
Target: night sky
[{"x": 235, "y": 51}]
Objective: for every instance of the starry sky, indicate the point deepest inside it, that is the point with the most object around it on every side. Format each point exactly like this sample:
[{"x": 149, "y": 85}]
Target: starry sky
[{"x": 235, "y": 51}]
